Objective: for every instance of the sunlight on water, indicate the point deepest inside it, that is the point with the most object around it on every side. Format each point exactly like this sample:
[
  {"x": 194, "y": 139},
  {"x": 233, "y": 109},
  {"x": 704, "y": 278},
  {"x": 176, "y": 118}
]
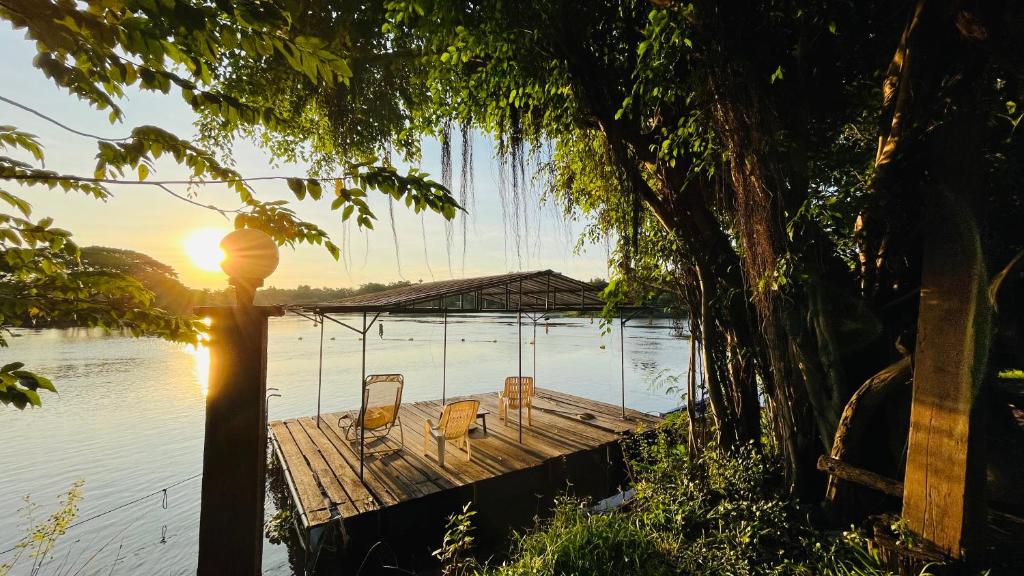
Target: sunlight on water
[
  {"x": 201, "y": 360},
  {"x": 201, "y": 365}
]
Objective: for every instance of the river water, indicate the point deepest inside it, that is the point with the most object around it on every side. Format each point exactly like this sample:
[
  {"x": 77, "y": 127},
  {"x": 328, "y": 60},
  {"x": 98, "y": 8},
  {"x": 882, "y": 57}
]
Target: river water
[{"x": 129, "y": 417}]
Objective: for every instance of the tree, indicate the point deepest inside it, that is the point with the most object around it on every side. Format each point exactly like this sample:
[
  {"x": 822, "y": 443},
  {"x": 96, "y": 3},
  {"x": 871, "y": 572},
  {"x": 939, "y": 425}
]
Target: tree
[
  {"x": 772, "y": 165},
  {"x": 168, "y": 292},
  {"x": 96, "y": 50}
]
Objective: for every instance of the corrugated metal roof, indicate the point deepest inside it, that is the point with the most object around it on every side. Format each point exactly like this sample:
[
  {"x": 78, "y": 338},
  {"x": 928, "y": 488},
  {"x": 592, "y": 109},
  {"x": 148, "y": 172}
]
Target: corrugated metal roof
[{"x": 542, "y": 290}]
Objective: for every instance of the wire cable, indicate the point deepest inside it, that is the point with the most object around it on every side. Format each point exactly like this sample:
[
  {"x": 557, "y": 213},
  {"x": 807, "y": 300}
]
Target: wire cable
[
  {"x": 57, "y": 123},
  {"x": 162, "y": 491}
]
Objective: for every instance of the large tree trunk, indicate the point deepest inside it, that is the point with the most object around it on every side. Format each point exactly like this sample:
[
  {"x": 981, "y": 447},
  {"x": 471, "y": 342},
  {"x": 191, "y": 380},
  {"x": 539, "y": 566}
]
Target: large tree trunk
[
  {"x": 730, "y": 344},
  {"x": 802, "y": 405}
]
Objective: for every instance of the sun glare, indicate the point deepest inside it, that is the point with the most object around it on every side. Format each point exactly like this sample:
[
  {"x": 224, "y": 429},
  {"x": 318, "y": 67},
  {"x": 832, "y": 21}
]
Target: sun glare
[{"x": 203, "y": 247}]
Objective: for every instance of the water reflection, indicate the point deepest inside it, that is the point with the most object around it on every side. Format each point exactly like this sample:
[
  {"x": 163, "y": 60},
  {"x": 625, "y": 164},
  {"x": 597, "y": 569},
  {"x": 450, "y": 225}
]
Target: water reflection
[
  {"x": 201, "y": 360},
  {"x": 201, "y": 365}
]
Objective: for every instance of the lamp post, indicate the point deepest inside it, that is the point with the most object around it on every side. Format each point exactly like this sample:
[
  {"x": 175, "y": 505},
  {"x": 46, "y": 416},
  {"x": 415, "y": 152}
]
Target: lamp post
[
  {"x": 235, "y": 443},
  {"x": 250, "y": 256}
]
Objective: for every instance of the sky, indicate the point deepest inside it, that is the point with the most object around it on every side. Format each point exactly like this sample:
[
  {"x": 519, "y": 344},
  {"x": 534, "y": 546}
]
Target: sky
[{"x": 148, "y": 220}]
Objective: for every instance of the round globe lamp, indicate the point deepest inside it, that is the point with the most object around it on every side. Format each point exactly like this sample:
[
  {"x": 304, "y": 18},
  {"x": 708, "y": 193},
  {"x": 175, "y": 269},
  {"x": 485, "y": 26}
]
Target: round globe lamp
[{"x": 250, "y": 256}]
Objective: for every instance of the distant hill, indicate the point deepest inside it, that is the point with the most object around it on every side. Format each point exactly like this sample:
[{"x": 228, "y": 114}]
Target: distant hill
[
  {"x": 172, "y": 295},
  {"x": 304, "y": 294}
]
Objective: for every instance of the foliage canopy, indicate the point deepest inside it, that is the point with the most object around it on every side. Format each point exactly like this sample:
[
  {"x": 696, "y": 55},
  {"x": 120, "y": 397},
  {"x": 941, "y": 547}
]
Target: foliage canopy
[
  {"x": 97, "y": 51},
  {"x": 772, "y": 166}
]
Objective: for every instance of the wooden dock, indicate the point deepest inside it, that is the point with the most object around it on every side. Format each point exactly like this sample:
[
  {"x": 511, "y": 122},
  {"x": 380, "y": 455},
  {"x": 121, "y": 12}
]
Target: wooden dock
[{"x": 560, "y": 452}]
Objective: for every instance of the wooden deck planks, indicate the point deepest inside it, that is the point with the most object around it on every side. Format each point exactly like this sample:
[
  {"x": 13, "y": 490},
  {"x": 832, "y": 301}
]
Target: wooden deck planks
[
  {"x": 393, "y": 471},
  {"x": 606, "y": 416},
  {"x": 300, "y": 475},
  {"x": 322, "y": 473},
  {"x": 355, "y": 491},
  {"x": 321, "y": 464}
]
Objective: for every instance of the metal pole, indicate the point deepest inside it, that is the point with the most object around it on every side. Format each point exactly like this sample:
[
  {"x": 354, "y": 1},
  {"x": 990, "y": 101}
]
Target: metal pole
[
  {"x": 320, "y": 373},
  {"x": 444, "y": 361},
  {"x": 622, "y": 361},
  {"x": 362, "y": 403},
  {"x": 535, "y": 353},
  {"x": 519, "y": 320}
]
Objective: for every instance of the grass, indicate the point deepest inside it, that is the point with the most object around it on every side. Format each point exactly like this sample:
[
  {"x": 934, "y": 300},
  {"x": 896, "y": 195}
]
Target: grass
[
  {"x": 34, "y": 550},
  {"x": 718, "y": 514}
]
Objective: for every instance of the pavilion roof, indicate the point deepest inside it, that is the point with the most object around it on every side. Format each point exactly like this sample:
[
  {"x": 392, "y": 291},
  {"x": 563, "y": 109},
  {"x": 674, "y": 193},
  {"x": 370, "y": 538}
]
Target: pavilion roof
[{"x": 537, "y": 291}]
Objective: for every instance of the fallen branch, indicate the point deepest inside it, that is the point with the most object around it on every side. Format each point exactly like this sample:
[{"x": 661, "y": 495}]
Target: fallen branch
[{"x": 840, "y": 469}]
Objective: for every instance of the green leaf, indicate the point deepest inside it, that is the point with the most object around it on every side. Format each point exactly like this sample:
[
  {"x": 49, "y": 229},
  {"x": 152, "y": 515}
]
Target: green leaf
[
  {"x": 298, "y": 187},
  {"x": 44, "y": 383},
  {"x": 36, "y": 380},
  {"x": 24, "y": 207},
  {"x": 32, "y": 396},
  {"x": 314, "y": 189},
  {"x": 333, "y": 250}
]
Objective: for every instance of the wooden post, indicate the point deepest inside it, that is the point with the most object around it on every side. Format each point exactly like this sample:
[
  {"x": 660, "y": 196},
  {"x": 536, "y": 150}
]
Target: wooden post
[
  {"x": 235, "y": 444},
  {"x": 942, "y": 496}
]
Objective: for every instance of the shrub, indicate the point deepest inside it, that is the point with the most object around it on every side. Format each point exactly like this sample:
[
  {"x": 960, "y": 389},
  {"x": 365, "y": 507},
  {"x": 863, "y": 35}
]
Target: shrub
[
  {"x": 715, "y": 514},
  {"x": 576, "y": 543}
]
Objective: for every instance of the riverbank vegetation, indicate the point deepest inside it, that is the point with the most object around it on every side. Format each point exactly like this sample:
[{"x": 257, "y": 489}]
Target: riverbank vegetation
[
  {"x": 717, "y": 513},
  {"x": 34, "y": 551}
]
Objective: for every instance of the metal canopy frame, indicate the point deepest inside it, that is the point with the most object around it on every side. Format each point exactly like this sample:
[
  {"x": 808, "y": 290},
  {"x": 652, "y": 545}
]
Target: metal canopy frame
[
  {"x": 531, "y": 294},
  {"x": 542, "y": 290}
]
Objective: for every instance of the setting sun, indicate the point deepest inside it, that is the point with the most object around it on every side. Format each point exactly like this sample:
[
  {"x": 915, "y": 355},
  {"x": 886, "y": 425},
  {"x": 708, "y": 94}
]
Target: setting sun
[{"x": 203, "y": 247}]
